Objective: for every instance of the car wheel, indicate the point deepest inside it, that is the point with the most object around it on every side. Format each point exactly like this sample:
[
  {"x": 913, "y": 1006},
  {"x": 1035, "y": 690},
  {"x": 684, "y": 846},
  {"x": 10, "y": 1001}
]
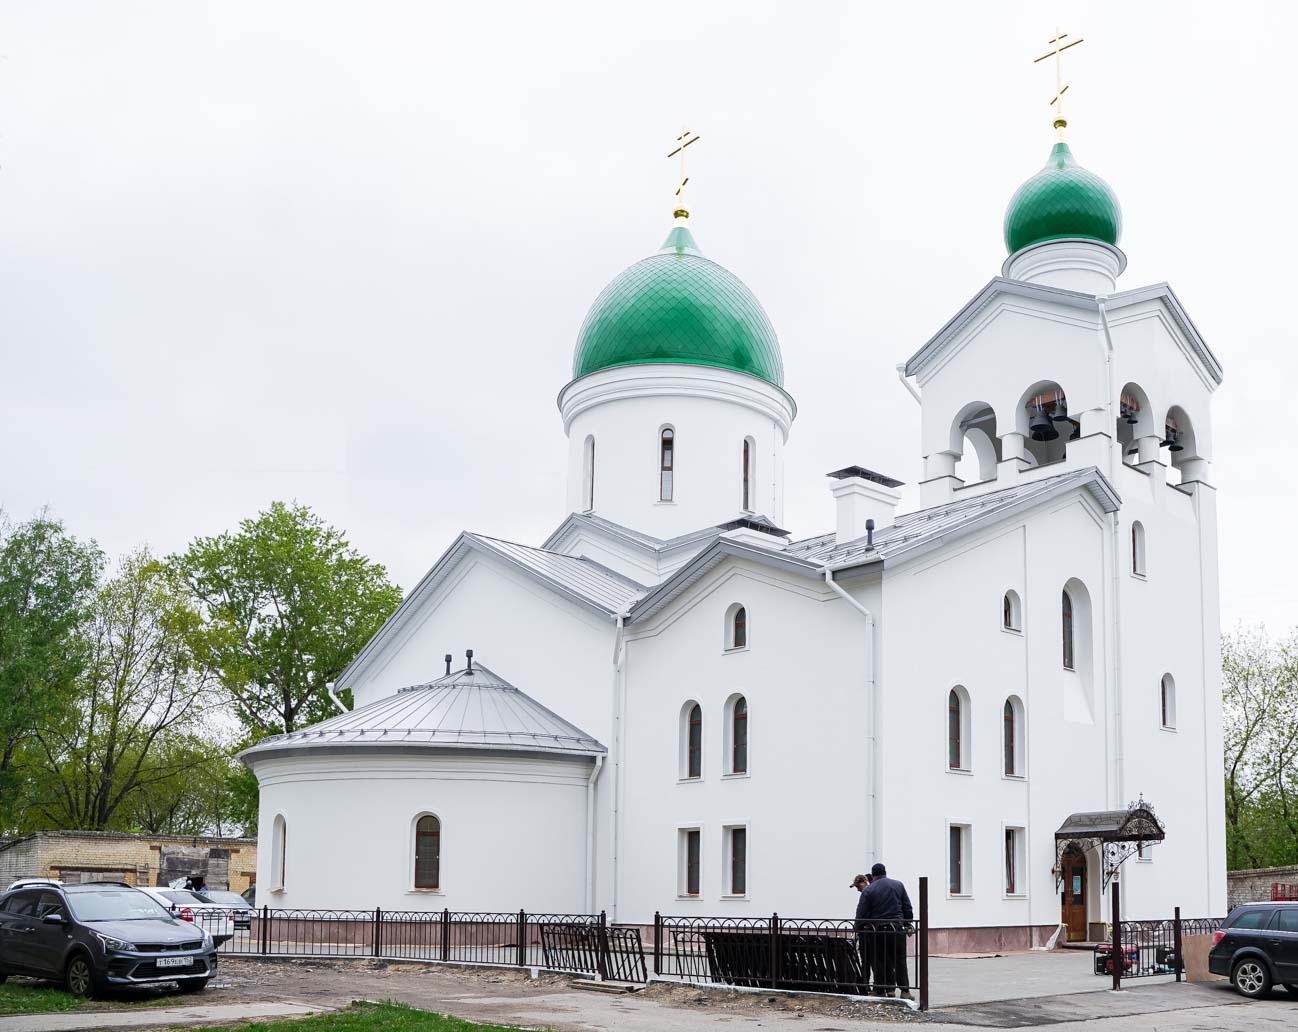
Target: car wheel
[
  {"x": 1251, "y": 977},
  {"x": 193, "y": 985},
  {"x": 79, "y": 976}
]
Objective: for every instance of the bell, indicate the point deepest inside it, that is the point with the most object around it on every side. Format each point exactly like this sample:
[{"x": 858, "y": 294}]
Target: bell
[
  {"x": 1038, "y": 425},
  {"x": 1060, "y": 413},
  {"x": 1172, "y": 442}
]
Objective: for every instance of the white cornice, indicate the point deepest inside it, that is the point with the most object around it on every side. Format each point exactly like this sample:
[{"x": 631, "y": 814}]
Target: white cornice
[{"x": 676, "y": 380}]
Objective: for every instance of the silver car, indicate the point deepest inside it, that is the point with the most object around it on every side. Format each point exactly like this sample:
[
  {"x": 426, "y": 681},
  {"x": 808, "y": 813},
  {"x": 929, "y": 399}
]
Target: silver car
[{"x": 189, "y": 906}]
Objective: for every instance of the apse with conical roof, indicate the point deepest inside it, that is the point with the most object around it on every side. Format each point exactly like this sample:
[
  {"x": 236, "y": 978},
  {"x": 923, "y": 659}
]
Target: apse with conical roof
[{"x": 676, "y": 414}]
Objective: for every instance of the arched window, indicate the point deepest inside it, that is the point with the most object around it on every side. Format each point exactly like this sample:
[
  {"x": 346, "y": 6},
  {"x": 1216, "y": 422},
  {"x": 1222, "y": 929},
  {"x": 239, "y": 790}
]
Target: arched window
[
  {"x": 957, "y": 729},
  {"x": 739, "y": 736},
  {"x": 692, "y": 740},
  {"x": 428, "y": 852},
  {"x": 737, "y": 627},
  {"x": 1138, "y": 548},
  {"x": 975, "y": 442},
  {"x": 1066, "y": 610},
  {"x": 1013, "y": 734},
  {"x": 278, "y": 852},
  {"x": 588, "y": 474},
  {"x": 666, "y": 463},
  {"x": 1011, "y": 611},
  {"x": 747, "y": 459},
  {"x": 1167, "y": 702}
]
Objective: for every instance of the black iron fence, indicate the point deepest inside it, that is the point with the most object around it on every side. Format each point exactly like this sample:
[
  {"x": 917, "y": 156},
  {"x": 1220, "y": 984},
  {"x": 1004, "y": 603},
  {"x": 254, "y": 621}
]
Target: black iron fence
[
  {"x": 817, "y": 955},
  {"x": 809, "y": 954},
  {"x": 1153, "y": 947}
]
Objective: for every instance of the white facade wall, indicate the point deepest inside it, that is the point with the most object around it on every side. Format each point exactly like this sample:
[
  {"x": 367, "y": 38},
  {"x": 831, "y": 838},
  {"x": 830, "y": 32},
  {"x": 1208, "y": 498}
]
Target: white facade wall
[
  {"x": 711, "y": 412},
  {"x": 513, "y": 829},
  {"x": 803, "y": 675}
]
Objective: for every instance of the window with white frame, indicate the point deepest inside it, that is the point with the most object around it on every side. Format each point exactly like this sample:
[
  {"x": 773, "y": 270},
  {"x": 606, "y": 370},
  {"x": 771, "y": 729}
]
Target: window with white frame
[
  {"x": 749, "y": 473},
  {"x": 1138, "y": 548},
  {"x": 1143, "y": 850},
  {"x": 1013, "y": 735},
  {"x": 691, "y": 758},
  {"x": 1066, "y": 614},
  {"x": 1011, "y": 611},
  {"x": 666, "y": 463},
  {"x": 588, "y": 473},
  {"x": 1015, "y": 862},
  {"x": 428, "y": 852},
  {"x": 1167, "y": 702},
  {"x": 278, "y": 852},
  {"x": 689, "y": 856},
  {"x": 958, "y": 719},
  {"x": 959, "y": 865},
  {"x": 736, "y": 724},
  {"x": 735, "y": 854},
  {"x": 736, "y": 629}
]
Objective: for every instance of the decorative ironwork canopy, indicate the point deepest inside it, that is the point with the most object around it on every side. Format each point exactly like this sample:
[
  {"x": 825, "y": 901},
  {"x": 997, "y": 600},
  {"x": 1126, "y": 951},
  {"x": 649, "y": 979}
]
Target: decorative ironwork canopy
[{"x": 1117, "y": 834}]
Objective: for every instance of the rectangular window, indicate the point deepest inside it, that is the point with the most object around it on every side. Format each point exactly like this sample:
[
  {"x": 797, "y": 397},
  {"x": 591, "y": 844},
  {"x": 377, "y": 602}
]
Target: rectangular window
[
  {"x": 1015, "y": 861},
  {"x": 691, "y": 842},
  {"x": 959, "y": 867},
  {"x": 738, "y": 849}
]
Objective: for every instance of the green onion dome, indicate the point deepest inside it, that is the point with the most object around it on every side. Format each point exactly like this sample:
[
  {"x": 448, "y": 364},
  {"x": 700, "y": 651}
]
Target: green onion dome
[
  {"x": 678, "y": 306},
  {"x": 1062, "y": 200}
]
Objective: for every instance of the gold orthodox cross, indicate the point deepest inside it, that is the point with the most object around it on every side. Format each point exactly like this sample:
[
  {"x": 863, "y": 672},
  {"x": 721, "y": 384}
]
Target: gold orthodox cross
[
  {"x": 1058, "y": 46},
  {"x": 684, "y": 140}
]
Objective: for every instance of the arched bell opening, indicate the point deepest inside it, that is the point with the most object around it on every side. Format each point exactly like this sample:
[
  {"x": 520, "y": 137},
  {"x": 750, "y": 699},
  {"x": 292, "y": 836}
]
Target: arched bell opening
[
  {"x": 1135, "y": 422},
  {"x": 975, "y": 442},
  {"x": 1178, "y": 440},
  {"x": 1044, "y": 421}
]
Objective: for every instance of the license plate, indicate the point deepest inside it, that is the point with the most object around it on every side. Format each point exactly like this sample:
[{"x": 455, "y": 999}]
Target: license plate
[{"x": 175, "y": 962}]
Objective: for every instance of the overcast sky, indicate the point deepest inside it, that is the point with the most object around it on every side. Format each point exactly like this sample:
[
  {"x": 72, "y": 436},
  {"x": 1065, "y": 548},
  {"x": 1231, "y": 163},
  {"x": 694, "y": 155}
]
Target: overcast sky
[{"x": 339, "y": 253}]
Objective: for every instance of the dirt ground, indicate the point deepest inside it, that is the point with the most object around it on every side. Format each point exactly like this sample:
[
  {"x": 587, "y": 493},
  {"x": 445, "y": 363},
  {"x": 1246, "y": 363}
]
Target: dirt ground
[{"x": 511, "y": 997}]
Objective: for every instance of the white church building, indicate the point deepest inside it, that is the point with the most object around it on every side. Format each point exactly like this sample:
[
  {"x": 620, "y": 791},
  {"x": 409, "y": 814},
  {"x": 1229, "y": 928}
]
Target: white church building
[{"x": 676, "y": 705}]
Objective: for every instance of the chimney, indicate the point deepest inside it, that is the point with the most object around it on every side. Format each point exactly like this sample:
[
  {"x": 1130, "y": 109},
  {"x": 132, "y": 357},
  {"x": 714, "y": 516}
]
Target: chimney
[{"x": 862, "y": 497}]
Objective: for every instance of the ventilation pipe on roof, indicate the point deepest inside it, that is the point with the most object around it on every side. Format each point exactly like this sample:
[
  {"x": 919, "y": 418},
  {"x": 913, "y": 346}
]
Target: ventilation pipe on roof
[
  {"x": 468, "y": 655},
  {"x": 871, "y": 716},
  {"x": 869, "y": 533},
  {"x": 447, "y": 658}
]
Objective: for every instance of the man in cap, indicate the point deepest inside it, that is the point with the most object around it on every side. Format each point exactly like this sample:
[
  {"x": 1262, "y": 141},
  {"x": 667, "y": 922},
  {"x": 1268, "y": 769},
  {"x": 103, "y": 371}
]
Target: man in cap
[
  {"x": 886, "y": 904},
  {"x": 864, "y": 931}
]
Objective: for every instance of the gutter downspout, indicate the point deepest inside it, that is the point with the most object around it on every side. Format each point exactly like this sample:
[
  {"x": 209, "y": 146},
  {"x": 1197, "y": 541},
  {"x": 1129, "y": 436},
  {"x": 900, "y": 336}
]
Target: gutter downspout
[
  {"x": 901, "y": 375},
  {"x": 590, "y": 835},
  {"x": 619, "y": 712},
  {"x": 1115, "y": 660},
  {"x": 871, "y": 714},
  {"x": 329, "y": 687}
]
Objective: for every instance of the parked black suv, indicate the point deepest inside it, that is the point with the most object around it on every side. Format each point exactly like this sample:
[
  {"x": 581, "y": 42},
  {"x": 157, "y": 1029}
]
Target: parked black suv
[
  {"x": 1257, "y": 947},
  {"x": 97, "y": 935}
]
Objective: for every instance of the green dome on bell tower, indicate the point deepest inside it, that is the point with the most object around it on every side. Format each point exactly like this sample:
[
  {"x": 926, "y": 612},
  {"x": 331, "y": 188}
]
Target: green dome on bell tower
[
  {"x": 676, "y": 306},
  {"x": 1061, "y": 201}
]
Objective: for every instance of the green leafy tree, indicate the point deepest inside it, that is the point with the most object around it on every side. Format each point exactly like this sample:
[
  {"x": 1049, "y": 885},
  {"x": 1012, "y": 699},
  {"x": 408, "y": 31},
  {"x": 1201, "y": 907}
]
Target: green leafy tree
[
  {"x": 47, "y": 578},
  {"x": 287, "y": 604},
  {"x": 1260, "y": 734},
  {"x": 139, "y": 688},
  {"x": 185, "y": 789}
]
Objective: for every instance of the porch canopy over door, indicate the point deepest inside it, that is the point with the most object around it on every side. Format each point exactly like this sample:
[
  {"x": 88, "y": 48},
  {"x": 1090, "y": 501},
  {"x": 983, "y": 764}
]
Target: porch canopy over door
[{"x": 1116, "y": 834}]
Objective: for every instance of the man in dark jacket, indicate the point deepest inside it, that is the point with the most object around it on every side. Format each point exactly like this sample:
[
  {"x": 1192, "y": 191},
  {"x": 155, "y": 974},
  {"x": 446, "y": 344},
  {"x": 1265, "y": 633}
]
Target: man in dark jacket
[
  {"x": 864, "y": 931},
  {"x": 886, "y": 904}
]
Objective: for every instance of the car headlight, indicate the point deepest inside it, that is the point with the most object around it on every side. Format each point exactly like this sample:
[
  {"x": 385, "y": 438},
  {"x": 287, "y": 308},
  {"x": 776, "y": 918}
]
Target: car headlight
[{"x": 112, "y": 944}]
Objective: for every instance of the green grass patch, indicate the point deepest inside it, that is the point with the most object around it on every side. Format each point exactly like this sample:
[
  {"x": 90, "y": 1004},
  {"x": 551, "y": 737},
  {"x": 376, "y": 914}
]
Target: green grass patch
[
  {"x": 371, "y": 1017},
  {"x": 26, "y": 998}
]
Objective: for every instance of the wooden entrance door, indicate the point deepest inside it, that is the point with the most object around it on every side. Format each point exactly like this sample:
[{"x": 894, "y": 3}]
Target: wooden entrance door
[{"x": 1073, "y": 896}]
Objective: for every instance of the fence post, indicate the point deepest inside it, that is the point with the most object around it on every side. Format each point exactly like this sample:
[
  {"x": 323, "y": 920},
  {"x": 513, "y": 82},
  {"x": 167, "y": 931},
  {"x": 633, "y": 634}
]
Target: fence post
[
  {"x": 922, "y": 962},
  {"x": 446, "y": 934},
  {"x": 1176, "y": 942},
  {"x": 1117, "y": 958},
  {"x": 601, "y": 946},
  {"x": 775, "y": 950},
  {"x": 265, "y": 928},
  {"x": 522, "y": 938},
  {"x": 658, "y": 943},
  {"x": 378, "y": 921}
]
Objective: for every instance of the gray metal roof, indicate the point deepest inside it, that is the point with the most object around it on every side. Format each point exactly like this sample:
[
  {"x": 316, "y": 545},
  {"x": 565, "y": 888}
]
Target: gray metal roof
[
  {"x": 593, "y": 582},
  {"x": 917, "y": 530},
  {"x": 463, "y": 710}
]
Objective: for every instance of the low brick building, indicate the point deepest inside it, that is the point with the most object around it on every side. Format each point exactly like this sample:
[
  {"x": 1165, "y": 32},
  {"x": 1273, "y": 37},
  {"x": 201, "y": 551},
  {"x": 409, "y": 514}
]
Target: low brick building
[
  {"x": 1255, "y": 886},
  {"x": 77, "y": 856}
]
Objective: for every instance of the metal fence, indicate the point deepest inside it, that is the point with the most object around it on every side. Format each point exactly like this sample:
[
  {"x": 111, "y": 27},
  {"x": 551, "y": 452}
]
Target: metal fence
[
  {"x": 838, "y": 955},
  {"x": 1152, "y": 947}
]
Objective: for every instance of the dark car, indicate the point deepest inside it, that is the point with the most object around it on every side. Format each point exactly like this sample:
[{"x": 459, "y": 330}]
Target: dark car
[
  {"x": 95, "y": 936},
  {"x": 1257, "y": 947}
]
